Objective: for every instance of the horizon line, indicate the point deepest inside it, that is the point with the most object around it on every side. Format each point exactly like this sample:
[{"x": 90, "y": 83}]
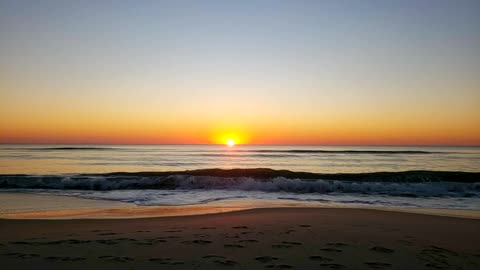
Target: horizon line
[{"x": 246, "y": 144}]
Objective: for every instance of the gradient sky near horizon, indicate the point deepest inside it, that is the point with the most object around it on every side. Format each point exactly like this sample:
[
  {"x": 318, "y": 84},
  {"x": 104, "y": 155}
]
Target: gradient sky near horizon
[{"x": 264, "y": 72}]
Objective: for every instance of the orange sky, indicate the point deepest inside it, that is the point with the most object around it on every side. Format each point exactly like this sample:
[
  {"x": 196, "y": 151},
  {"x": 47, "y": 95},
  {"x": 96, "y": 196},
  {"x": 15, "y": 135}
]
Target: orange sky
[{"x": 57, "y": 126}]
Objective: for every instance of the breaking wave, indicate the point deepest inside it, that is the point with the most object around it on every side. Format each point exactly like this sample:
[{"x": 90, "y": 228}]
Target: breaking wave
[
  {"x": 302, "y": 151},
  {"x": 411, "y": 184},
  {"x": 71, "y": 148}
]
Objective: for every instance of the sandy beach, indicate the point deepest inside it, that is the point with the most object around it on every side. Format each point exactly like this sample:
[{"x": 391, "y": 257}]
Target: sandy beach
[{"x": 272, "y": 238}]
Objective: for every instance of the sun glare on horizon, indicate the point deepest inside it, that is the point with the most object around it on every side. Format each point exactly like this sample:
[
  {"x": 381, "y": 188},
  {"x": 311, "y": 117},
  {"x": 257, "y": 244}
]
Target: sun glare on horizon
[{"x": 230, "y": 142}]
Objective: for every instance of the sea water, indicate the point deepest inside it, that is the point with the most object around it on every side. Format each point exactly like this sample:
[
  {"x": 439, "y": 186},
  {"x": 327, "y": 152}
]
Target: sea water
[{"x": 171, "y": 174}]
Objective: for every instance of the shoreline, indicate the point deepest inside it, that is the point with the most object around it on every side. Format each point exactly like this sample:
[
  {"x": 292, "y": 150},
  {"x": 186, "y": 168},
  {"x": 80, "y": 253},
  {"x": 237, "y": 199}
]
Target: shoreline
[{"x": 80, "y": 208}]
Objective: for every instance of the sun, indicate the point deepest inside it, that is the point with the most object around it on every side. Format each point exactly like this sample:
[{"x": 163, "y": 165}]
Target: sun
[{"x": 230, "y": 142}]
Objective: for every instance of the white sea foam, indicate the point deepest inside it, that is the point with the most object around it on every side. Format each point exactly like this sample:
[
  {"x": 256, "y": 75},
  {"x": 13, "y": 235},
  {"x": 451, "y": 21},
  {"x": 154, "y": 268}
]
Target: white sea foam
[
  {"x": 148, "y": 197},
  {"x": 278, "y": 184}
]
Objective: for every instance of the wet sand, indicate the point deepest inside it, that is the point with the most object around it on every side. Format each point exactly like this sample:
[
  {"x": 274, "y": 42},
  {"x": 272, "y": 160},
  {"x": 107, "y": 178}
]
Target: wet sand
[
  {"x": 276, "y": 238},
  {"x": 16, "y": 205}
]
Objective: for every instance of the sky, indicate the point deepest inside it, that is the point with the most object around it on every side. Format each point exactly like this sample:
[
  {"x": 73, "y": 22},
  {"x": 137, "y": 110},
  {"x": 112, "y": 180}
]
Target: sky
[{"x": 261, "y": 72}]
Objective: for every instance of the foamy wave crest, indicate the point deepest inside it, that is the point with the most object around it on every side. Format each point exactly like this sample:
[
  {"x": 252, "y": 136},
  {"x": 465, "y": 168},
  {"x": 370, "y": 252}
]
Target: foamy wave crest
[{"x": 276, "y": 184}]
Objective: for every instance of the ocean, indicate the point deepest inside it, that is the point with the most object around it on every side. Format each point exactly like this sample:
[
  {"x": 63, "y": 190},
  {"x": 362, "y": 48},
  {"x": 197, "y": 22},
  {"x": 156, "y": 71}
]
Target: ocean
[{"x": 346, "y": 176}]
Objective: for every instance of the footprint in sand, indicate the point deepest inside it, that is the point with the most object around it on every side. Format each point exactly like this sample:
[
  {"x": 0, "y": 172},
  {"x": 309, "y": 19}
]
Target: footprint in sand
[
  {"x": 165, "y": 261},
  {"x": 22, "y": 255},
  {"x": 281, "y": 246},
  {"x": 110, "y": 233},
  {"x": 331, "y": 250},
  {"x": 405, "y": 242},
  {"x": 266, "y": 259},
  {"x": 28, "y": 256},
  {"x": 444, "y": 265},
  {"x": 207, "y": 228},
  {"x": 43, "y": 238},
  {"x": 319, "y": 258},
  {"x": 160, "y": 260},
  {"x": 106, "y": 242},
  {"x": 436, "y": 257},
  {"x": 382, "y": 249},
  {"x": 233, "y": 246},
  {"x": 198, "y": 241},
  {"x": 116, "y": 259},
  {"x": 99, "y": 231},
  {"x": 21, "y": 243},
  {"x": 213, "y": 256},
  {"x": 220, "y": 260},
  {"x": 305, "y": 225},
  {"x": 337, "y": 244},
  {"x": 125, "y": 239},
  {"x": 76, "y": 241},
  {"x": 173, "y": 231},
  {"x": 378, "y": 265},
  {"x": 248, "y": 241},
  {"x": 278, "y": 266},
  {"x": 240, "y": 227},
  {"x": 143, "y": 231},
  {"x": 439, "y": 250},
  {"x": 65, "y": 259},
  {"x": 176, "y": 263},
  {"x": 143, "y": 243},
  {"x": 226, "y": 262},
  {"x": 156, "y": 240},
  {"x": 292, "y": 243},
  {"x": 57, "y": 242},
  {"x": 333, "y": 265}
]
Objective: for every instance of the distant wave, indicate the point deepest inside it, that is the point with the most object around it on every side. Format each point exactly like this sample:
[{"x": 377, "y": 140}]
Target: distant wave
[
  {"x": 66, "y": 148},
  {"x": 413, "y": 183},
  {"x": 223, "y": 152},
  {"x": 301, "y": 151},
  {"x": 307, "y": 151}
]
